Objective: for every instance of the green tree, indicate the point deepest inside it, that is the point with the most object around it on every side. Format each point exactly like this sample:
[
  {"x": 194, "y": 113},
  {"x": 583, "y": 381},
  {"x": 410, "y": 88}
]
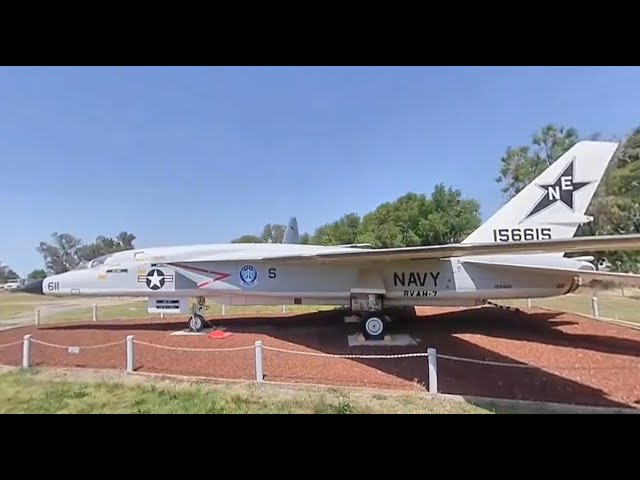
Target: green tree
[
  {"x": 343, "y": 231},
  {"x": 273, "y": 233},
  {"x": 305, "y": 239},
  {"x": 450, "y": 217},
  {"x": 37, "y": 275},
  {"x": 62, "y": 255},
  {"x": 106, "y": 245},
  {"x": 247, "y": 239},
  {"x": 67, "y": 252},
  {"x": 412, "y": 219},
  {"x": 615, "y": 207},
  {"x": 520, "y": 165},
  {"x": 7, "y": 273}
]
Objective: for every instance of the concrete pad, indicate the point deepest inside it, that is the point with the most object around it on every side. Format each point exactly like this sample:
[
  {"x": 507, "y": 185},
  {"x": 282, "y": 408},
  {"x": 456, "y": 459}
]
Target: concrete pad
[
  {"x": 395, "y": 340},
  {"x": 186, "y": 332}
]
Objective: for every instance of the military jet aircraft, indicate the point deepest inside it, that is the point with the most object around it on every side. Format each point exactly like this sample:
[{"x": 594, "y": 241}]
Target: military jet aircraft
[{"x": 517, "y": 253}]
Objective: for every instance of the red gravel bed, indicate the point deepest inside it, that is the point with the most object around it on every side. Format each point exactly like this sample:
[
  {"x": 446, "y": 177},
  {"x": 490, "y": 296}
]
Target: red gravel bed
[{"x": 568, "y": 358}]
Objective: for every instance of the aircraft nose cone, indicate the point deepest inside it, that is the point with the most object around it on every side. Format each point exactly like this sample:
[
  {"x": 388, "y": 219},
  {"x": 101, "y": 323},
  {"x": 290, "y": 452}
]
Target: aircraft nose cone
[{"x": 34, "y": 287}]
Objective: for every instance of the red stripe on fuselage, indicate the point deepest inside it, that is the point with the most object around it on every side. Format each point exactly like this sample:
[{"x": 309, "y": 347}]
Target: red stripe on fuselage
[{"x": 219, "y": 275}]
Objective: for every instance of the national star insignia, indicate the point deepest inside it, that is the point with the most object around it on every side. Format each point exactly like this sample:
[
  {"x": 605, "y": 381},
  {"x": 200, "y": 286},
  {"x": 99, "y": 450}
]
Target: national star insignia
[{"x": 155, "y": 279}]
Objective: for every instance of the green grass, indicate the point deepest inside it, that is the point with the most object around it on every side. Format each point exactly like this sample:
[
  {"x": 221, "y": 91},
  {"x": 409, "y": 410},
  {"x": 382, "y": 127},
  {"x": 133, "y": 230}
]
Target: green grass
[
  {"x": 139, "y": 310},
  {"x": 88, "y": 391},
  {"x": 609, "y": 306},
  {"x": 14, "y": 305},
  {"x": 13, "y": 310},
  {"x": 34, "y": 392},
  {"x": 105, "y": 312},
  {"x": 21, "y": 298}
]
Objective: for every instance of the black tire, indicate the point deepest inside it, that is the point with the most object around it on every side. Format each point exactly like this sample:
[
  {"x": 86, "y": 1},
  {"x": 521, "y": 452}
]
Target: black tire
[
  {"x": 373, "y": 328},
  {"x": 196, "y": 323}
]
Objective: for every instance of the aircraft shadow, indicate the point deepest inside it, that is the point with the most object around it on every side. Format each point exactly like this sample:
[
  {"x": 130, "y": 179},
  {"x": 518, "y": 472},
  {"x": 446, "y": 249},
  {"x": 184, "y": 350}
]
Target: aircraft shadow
[
  {"x": 327, "y": 332},
  {"x": 539, "y": 327}
]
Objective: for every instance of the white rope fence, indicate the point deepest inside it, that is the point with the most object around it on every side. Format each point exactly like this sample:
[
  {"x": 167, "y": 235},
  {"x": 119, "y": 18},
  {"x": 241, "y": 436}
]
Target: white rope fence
[{"x": 259, "y": 348}]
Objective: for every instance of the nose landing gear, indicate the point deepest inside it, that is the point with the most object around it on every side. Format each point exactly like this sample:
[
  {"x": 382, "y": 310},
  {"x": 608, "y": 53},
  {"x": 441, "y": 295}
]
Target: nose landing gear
[{"x": 196, "y": 320}]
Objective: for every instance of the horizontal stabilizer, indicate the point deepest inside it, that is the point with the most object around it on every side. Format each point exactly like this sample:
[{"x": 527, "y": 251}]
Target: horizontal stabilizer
[
  {"x": 586, "y": 275},
  {"x": 586, "y": 258},
  {"x": 571, "y": 221}
]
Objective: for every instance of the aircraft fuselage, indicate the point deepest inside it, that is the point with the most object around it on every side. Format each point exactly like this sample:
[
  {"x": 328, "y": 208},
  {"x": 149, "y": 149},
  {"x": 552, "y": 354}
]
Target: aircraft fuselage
[{"x": 260, "y": 282}]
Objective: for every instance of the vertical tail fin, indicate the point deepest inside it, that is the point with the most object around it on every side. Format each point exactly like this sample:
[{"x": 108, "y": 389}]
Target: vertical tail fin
[
  {"x": 554, "y": 204},
  {"x": 291, "y": 233}
]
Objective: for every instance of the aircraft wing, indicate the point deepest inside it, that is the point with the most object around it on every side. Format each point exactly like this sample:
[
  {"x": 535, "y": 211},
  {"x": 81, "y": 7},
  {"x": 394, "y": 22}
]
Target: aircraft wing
[
  {"x": 585, "y": 275},
  {"x": 356, "y": 255}
]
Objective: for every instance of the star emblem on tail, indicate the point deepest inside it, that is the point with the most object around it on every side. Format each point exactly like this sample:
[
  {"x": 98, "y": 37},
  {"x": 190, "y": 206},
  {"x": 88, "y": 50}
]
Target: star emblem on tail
[{"x": 561, "y": 190}]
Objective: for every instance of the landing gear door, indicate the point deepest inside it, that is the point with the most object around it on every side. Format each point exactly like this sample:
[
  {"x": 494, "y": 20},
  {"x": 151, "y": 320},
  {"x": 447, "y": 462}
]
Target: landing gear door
[{"x": 363, "y": 302}]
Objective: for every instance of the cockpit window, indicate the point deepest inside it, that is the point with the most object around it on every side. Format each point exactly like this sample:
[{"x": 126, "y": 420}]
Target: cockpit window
[
  {"x": 109, "y": 259},
  {"x": 98, "y": 261}
]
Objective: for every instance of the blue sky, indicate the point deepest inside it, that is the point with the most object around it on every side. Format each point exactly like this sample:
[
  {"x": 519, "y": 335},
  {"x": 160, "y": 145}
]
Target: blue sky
[{"x": 191, "y": 155}]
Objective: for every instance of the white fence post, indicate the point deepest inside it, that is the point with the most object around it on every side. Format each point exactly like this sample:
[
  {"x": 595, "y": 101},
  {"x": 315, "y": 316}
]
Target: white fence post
[
  {"x": 284, "y": 309},
  {"x": 433, "y": 370},
  {"x": 224, "y": 310},
  {"x": 26, "y": 351},
  {"x": 95, "y": 312},
  {"x": 259, "y": 374},
  {"x": 594, "y": 307},
  {"x": 528, "y": 303},
  {"x": 37, "y": 319},
  {"x": 130, "y": 353}
]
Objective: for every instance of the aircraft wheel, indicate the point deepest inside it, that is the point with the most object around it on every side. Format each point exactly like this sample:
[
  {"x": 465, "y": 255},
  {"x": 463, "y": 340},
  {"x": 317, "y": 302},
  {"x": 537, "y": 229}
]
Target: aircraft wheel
[
  {"x": 374, "y": 327},
  {"x": 196, "y": 322}
]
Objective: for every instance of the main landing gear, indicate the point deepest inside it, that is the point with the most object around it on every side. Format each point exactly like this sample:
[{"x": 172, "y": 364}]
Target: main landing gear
[
  {"x": 374, "y": 327},
  {"x": 196, "y": 320},
  {"x": 368, "y": 307}
]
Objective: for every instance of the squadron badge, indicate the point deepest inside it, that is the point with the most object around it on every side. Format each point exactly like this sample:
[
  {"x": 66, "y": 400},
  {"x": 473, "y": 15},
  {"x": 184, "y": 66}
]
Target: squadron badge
[{"x": 248, "y": 275}]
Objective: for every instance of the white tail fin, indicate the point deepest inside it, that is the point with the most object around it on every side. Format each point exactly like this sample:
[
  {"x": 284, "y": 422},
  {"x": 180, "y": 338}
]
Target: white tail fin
[
  {"x": 554, "y": 204},
  {"x": 291, "y": 233}
]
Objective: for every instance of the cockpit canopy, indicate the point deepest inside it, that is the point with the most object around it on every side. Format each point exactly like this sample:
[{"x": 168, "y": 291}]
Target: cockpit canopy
[
  {"x": 99, "y": 261},
  {"x": 105, "y": 259},
  {"x": 96, "y": 262}
]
